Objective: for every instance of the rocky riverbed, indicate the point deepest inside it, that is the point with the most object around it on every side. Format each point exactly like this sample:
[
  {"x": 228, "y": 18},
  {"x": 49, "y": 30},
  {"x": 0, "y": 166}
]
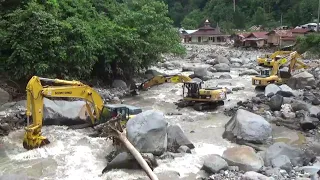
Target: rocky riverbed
[{"x": 257, "y": 134}]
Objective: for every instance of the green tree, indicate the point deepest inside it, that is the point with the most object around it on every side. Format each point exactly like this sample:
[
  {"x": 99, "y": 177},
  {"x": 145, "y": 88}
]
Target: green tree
[
  {"x": 193, "y": 20},
  {"x": 259, "y": 17}
]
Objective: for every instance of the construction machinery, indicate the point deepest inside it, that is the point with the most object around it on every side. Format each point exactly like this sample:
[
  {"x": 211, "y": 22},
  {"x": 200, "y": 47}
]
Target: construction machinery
[
  {"x": 161, "y": 79},
  {"x": 70, "y": 89},
  {"x": 280, "y": 72},
  {"x": 201, "y": 98},
  {"x": 269, "y": 59}
]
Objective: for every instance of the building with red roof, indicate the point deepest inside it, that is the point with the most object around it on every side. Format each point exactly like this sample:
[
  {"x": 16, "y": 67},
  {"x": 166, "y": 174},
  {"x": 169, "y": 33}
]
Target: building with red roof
[
  {"x": 206, "y": 34},
  {"x": 256, "y": 39},
  {"x": 280, "y": 38}
]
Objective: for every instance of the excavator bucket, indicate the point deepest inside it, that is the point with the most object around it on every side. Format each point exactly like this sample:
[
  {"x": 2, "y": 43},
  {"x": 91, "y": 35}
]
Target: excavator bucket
[{"x": 33, "y": 139}]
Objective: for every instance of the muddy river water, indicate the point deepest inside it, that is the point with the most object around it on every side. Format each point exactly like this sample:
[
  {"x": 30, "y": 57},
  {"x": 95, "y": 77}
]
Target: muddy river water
[{"x": 74, "y": 155}]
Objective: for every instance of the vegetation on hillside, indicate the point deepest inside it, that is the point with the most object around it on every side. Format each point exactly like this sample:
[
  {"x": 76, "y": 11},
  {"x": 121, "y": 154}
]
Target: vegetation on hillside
[
  {"x": 309, "y": 43},
  {"x": 190, "y": 14},
  {"x": 84, "y": 38}
]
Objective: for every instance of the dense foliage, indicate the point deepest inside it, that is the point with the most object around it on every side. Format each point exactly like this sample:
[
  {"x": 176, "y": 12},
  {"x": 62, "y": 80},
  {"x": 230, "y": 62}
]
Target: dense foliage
[
  {"x": 310, "y": 43},
  {"x": 83, "y": 38},
  {"x": 188, "y": 13}
]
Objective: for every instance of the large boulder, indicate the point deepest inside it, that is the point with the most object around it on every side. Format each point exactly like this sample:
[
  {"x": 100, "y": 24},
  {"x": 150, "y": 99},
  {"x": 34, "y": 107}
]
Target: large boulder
[
  {"x": 297, "y": 157},
  {"x": 177, "y": 138},
  {"x": 147, "y": 131},
  {"x": 271, "y": 89},
  {"x": 301, "y": 80},
  {"x": 221, "y": 59},
  {"x": 276, "y": 102},
  {"x": 248, "y": 126},
  {"x": 119, "y": 84},
  {"x": 214, "y": 163},
  {"x": 4, "y": 96},
  {"x": 285, "y": 91},
  {"x": 201, "y": 72},
  {"x": 125, "y": 160},
  {"x": 222, "y": 67},
  {"x": 60, "y": 112},
  {"x": 244, "y": 157}
]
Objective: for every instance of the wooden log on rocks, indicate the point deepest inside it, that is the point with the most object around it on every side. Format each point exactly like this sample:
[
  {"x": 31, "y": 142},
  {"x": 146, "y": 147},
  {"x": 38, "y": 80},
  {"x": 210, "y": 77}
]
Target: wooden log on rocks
[{"x": 112, "y": 129}]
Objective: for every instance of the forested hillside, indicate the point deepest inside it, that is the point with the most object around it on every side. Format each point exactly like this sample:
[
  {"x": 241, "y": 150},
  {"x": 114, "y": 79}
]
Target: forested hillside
[
  {"x": 191, "y": 13},
  {"x": 83, "y": 38}
]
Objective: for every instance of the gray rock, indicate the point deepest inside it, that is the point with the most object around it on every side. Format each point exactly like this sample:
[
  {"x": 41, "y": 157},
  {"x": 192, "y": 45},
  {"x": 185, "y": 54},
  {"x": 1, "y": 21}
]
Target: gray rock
[
  {"x": 187, "y": 68},
  {"x": 147, "y": 131},
  {"x": 271, "y": 88},
  {"x": 251, "y": 175},
  {"x": 184, "y": 149},
  {"x": 222, "y": 67},
  {"x": 212, "y": 69},
  {"x": 275, "y": 102},
  {"x": 119, "y": 84},
  {"x": 244, "y": 157},
  {"x": 307, "y": 122},
  {"x": 247, "y": 126},
  {"x": 60, "y": 112},
  {"x": 4, "y": 96},
  {"x": 177, "y": 138},
  {"x": 296, "y": 156},
  {"x": 249, "y": 72},
  {"x": 15, "y": 177},
  {"x": 197, "y": 80},
  {"x": 221, "y": 59},
  {"x": 125, "y": 160},
  {"x": 153, "y": 72},
  {"x": 236, "y": 60},
  {"x": 285, "y": 91},
  {"x": 301, "y": 80},
  {"x": 211, "y": 62},
  {"x": 5, "y": 126},
  {"x": 214, "y": 163},
  {"x": 225, "y": 76},
  {"x": 201, "y": 72},
  {"x": 313, "y": 110},
  {"x": 282, "y": 162}
]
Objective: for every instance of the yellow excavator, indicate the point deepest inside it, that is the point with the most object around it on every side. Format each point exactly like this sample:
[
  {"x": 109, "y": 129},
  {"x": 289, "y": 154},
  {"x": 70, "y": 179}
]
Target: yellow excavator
[
  {"x": 277, "y": 74},
  {"x": 161, "y": 79},
  {"x": 201, "y": 98},
  {"x": 193, "y": 93},
  {"x": 269, "y": 59},
  {"x": 71, "y": 89}
]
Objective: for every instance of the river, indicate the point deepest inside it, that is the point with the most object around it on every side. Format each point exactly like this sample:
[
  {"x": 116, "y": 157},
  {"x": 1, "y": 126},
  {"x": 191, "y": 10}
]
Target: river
[{"x": 74, "y": 155}]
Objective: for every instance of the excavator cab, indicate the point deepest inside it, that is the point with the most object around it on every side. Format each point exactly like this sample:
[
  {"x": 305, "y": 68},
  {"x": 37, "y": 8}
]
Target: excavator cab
[
  {"x": 192, "y": 89},
  {"x": 112, "y": 110}
]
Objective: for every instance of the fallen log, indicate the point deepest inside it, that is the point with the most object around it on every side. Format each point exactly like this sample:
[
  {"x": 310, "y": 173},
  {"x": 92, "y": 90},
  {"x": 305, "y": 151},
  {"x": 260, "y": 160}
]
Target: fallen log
[{"x": 112, "y": 129}]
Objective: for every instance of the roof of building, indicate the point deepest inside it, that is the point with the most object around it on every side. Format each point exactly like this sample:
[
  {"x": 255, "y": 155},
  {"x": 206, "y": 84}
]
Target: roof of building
[
  {"x": 243, "y": 35},
  {"x": 253, "y": 39},
  {"x": 259, "y": 35},
  {"x": 207, "y": 30},
  {"x": 281, "y": 33}
]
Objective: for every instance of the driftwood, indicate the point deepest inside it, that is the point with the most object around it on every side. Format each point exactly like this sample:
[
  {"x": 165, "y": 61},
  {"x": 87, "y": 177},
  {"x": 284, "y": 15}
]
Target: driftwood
[{"x": 112, "y": 129}]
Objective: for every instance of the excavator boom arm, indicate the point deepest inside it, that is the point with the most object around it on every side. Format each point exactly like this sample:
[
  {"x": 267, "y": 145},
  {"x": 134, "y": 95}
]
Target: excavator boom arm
[
  {"x": 35, "y": 94},
  {"x": 159, "y": 79}
]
